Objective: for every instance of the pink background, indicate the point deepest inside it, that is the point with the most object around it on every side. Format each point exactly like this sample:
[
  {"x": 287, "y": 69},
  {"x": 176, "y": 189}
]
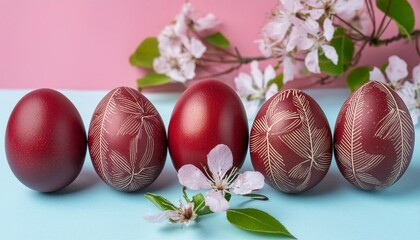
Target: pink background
[{"x": 85, "y": 44}]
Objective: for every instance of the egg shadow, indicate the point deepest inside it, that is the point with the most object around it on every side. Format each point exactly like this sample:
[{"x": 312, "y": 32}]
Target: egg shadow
[
  {"x": 409, "y": 184},
  {"x": 167, "y": 178},
  {"x": 86, "y": 180},
  {"x": 331, "y": 183}
]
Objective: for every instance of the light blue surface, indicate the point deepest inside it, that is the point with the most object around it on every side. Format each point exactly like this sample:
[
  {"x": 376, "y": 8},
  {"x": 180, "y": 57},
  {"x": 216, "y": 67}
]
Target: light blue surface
[{"x": 89, "y": 209}]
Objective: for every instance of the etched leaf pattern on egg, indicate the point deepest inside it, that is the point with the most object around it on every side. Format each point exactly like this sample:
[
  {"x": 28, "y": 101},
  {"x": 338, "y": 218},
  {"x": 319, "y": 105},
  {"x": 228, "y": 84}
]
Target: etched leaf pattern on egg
[
  {"x": 398, "y": 127},
  {"x": 260, "y": 144},
  {"x": 99, "y": 150},
  {"x": 350, "y": 150},
  {"x": 299, "y": 134},
  {"x": 374, "y": 170},
  {"x": 140, "y": 122},
  {"x": 309, "y": 142},
  {"x": 125, "y": 175}
]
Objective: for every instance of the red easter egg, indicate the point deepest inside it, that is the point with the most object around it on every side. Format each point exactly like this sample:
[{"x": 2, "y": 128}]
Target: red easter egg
[
  {"x": 207, "y": 114},
  {"x": 45, "y": 141},
  {"x": 291, "y": 143},
  {"x": 373, "y": 137},
  {"x": 127, "y": 140}
]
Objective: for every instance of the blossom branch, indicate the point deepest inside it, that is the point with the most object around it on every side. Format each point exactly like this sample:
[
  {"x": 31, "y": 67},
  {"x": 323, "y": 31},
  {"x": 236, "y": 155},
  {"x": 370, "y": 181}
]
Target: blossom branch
[{"x": 379, "y": 42}]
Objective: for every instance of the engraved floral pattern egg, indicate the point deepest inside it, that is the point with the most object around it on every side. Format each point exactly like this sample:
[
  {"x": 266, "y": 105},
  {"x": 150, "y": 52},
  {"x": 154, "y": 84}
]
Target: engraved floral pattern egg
[
  {"x": 291, "y": 142},
  {"x": 373, "y": 137},
  {"x": 127, "y": 140}
]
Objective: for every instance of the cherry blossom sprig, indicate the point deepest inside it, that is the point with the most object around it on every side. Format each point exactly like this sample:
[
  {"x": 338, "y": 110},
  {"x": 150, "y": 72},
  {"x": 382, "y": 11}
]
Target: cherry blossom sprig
[
  {"x": 221, "y": 180},
  {"x": 318, "y": 40}
]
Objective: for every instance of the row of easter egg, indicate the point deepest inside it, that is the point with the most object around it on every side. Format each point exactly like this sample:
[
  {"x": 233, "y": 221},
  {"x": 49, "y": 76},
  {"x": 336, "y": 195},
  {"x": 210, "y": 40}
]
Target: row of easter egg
[{"x": 290, "y": 140}]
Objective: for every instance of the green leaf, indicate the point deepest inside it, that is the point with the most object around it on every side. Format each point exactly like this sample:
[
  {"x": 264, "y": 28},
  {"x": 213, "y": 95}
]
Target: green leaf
[
  {"x": 145, "y": 53},
  {"x": 217, "y": 39},
  {"x": 345, "y": 50},
  {"x": 401, "y": 12},
  {"x": 160, "y": 202},
  {"x": 357, "y": 77},
  {"x": 256, "y": 196},
  {"x": 255, "y": 220},
  {"x": 278, "y": 80},
  {"x": 228, "y": 196},
  {"x": 152, "y": 79},
  {"x": 198, "y": 201},
  {"x": 199, "y": 205}
]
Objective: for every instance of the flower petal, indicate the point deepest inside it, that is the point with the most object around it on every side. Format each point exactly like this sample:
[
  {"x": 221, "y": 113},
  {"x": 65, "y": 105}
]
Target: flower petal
[
  {"x": 416, "y": 75},
  {"x": 256, "y": 74},
  {"x": 277, "y": 28},
  {"x": 328, "y": 29},
  {"x": 161, "y": 64},
  {"x": 347, "y": 9},
  {"x": 243, "y": 84},
  {"x": 251, "y": 107},
  {"x": 330, "y": 53},
  {"x": 207, "y": 22},
  {"x": 192, "y": 178},
  {"x": 216, "y": 201},
  {"x": 377, "y": 75},
  {"x": 197, "y": 48},
  {"x": 269, "y": 74},
  {"x": 311, "y": 61},
  {"x": 247, "y": 182},
  {"x": 273, "y": 89},
  {"x": 408, "y": 95},
  {"x": 160, "y": 217},
  {"x": 396, "y": 69},
  {"x": 288, "y": 69},
  {"x": 220, "y": 160}
]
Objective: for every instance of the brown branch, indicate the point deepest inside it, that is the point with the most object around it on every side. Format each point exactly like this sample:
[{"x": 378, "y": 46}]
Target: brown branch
[
  {"x": 380, "y": 42},
  {"x": 381, "y": 25}
]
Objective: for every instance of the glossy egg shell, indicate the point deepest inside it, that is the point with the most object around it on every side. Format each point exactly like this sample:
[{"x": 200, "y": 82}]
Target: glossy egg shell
[
  {"x": 207, "y": 114},
  {"x": 291, "y": 142},
  {"x": 45, "y": 141},
  {"x": 373, "y": 137},
  {"x": 127, "y": 140}
]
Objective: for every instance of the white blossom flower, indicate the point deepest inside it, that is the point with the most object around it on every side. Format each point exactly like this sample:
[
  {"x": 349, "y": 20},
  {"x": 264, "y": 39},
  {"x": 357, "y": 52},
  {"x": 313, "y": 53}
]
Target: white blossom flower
[
  {"x": 395, "y": 75},
  {"x": 312, "y": 58},
  {"x": 169, "y": 39},
  {"x": 178, "y": 55},
  {"x": 254, "y": 88},
  {"x": 289, "y": 69},
  {"x": 194, "y": 46},
  {"x": 184, "y": 215},
  {"x": 177, "y": 65},
  {"x": 348, "y": 9},
  {"x": 296, "y": 27},
  {"x": 407, "y": 92},
  {"x": 396, "y": 71},
  {"x": 377, "y": 75},
  {"x": 219, "y": 180},
  {"x": 187, "y": 19},
  {"x": 178, "y": 50}
]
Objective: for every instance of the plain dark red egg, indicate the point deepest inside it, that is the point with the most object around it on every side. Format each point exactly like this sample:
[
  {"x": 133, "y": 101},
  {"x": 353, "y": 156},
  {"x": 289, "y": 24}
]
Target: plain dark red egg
[
  {"x": 127, "y": 140},
  {"x": 291, "y": 142},
  {"x": 207, "y": 114},
  {"x": 373, "y": 137},
  {"x": 45, "y": 141}
]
